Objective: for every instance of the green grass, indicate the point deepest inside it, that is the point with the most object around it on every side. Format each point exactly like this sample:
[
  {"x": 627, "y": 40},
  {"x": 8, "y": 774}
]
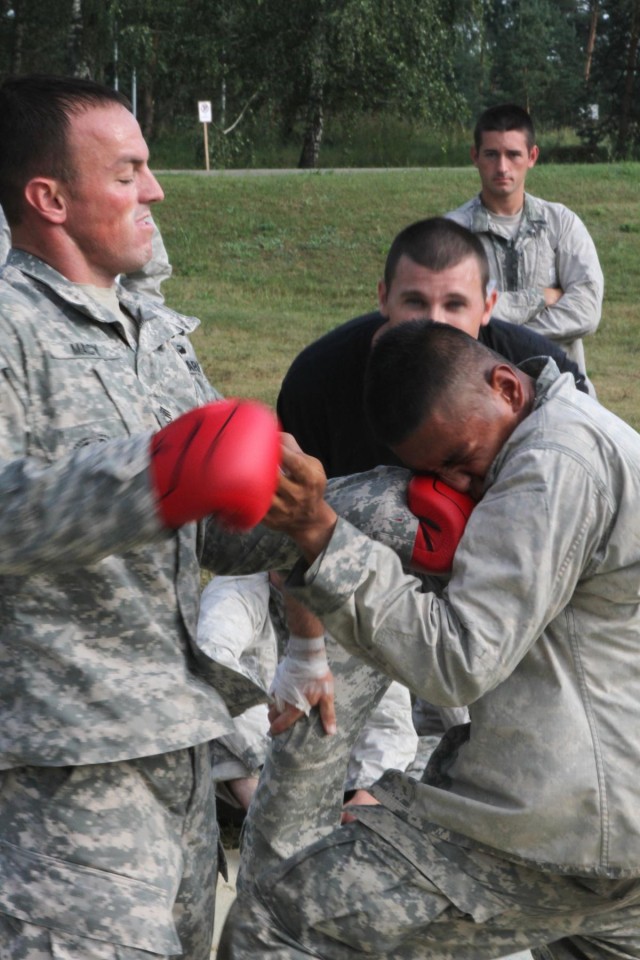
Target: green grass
[{"x": 268, "y": 263}]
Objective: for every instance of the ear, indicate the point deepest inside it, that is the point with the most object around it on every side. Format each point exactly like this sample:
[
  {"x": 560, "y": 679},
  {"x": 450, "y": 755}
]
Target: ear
[
  {"x": 382, "y": 297},
  {"x": 489, "y": 306},
  {"x": 534, "y": 153},
  {"x": 43, "y": 194},
  {"x": 474, "y": 155},
  {"x": 508, "y": 386}
]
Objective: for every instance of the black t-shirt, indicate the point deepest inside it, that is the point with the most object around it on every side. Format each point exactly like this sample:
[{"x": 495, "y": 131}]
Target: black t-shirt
[{"x": 320, "y": 401}]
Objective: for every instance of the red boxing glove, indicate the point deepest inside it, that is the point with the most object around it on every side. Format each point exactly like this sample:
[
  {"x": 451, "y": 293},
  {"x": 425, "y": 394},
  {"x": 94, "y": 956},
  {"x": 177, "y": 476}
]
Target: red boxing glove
[
  {"x": 221, "y": 459},
  {"x": 443, "y": 515}
]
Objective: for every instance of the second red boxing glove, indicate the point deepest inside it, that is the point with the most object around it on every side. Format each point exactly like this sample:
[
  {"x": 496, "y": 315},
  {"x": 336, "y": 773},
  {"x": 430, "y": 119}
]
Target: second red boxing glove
[
  {"x": 222, "y": 459},
  {"x": 443, "y": 513}
]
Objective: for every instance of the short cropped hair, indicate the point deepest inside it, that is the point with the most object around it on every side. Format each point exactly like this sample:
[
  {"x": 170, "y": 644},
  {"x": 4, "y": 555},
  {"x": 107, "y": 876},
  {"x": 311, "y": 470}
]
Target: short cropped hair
[
  {"x": 437, "y": 244},
  {"x": 416, "y": 368},
  {"x": 503, "y": 117},
  {"x": 34, "y": 123}
]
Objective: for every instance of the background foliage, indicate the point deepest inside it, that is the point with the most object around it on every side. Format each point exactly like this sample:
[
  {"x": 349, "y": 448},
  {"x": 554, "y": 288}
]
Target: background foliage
[
  {"x": 291, "y": 76},
  {"x": 268, "y": 263}
]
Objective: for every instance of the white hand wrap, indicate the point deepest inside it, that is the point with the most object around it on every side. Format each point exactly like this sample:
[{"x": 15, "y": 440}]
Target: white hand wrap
[{"x": 302, "y": 671}]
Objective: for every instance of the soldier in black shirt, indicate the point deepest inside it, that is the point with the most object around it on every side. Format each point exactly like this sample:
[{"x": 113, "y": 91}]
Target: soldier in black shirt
[{"x": 435, "y": 270}]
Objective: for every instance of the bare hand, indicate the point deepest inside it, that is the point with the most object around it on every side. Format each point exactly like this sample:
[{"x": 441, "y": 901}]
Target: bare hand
[
  {"x": 298, "y": 508},
  {"x": 552, "y": 295},
  {"x": 243, "y": 789},
  {"x": 360, "y": 798}
]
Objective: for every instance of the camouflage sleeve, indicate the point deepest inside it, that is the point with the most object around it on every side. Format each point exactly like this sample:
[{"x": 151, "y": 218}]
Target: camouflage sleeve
[
  {"x": 375, "y": 502},
  {"x": 54, "y": 513}
]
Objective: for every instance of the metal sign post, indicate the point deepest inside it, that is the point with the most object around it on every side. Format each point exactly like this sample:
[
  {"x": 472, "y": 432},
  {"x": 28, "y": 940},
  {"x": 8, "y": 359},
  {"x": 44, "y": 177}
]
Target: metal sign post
[{"x": 204, "y": 113}]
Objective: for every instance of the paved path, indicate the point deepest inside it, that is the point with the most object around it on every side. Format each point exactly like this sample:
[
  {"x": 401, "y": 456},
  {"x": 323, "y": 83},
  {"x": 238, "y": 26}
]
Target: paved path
[{"x": 280, "y": 171}]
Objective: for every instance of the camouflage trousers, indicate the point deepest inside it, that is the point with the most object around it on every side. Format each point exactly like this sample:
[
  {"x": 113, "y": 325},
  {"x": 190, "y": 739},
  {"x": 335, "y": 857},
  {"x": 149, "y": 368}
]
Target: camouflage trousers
[
  {"x": 354, "y": 894},
  {"x": 381, "y": 888},
  {"x": 300, "y": 792},
  {"x": 115, "y": 860}
]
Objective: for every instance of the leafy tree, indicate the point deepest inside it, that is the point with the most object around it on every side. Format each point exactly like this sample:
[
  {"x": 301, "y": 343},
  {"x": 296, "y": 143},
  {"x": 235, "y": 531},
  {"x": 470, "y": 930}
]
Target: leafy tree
[
  {"x": 313, "y": 57},
  {"x": 614, "y": 82},
  {"x": 472, "y": 55},
  {"x": 277, "y": 65},
  {"x": 33, "y": 36},
  {"x": 536, "y": 58}
]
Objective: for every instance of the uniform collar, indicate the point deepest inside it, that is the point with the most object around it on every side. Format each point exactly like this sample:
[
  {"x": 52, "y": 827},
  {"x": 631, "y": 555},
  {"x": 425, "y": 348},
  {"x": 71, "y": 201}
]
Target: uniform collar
[
  {"x": 159, "y": 322},
  {"x": 533, "y": 212}
]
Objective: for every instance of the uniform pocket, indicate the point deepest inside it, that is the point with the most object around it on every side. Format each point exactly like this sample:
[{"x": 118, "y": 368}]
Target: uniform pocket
[{"x": 90, "y": 395}]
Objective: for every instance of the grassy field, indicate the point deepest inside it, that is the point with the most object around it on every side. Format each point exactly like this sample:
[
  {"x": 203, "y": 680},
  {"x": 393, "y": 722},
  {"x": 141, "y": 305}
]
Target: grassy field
[{"x": 268, "y": 263}]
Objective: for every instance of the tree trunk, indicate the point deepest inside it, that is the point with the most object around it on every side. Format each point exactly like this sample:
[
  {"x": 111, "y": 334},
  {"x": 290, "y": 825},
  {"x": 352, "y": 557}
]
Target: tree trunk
[
  {"x": 314, "y": 123},
  {"x": 312, "y": 137},
  {"x": 147, "y": 111},
  {"x": 18, "y": 37},
  {"x": 591, "y": 39},
  {"x": 629, "y": 77},
  {"x": 78, "y": 65}
]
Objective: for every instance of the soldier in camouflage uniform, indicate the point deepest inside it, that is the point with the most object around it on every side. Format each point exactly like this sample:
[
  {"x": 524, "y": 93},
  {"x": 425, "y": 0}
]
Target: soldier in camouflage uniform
[
  {"x": 321, "y": 404},
  {"x": 241, "y": 623},
  {"x": 525, "y": 829},
  {"x": 107, "y": 816},
  {"x": 107, "y": 821},
  {"x": 542, "y": 258}
]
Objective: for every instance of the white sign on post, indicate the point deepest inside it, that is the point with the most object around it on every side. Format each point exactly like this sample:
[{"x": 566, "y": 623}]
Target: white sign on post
[
  {"x": 204, "y": 111},
  {"x": 204, "y": 114}
]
